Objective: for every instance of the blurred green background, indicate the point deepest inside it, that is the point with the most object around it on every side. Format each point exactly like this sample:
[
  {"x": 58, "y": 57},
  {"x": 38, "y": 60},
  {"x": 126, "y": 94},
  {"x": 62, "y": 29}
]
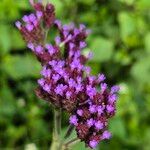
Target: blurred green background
[{"x": 120, "y": 41}]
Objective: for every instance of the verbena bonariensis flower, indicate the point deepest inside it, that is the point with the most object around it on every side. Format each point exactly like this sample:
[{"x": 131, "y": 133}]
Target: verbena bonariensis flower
[{"x": 66, "y": 80}]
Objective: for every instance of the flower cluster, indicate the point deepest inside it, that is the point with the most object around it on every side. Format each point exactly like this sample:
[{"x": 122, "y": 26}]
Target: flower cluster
[
  {"x": 91, "y": 117},
  {"x": 66, "y": 81},
  {"x": 31, "y": 29}
]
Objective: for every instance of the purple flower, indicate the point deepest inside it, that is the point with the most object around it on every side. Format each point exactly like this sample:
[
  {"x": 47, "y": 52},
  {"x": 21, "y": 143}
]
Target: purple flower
[
  {"x": 56, "y": 77},
  {"x": 109, "y": 108},
  {"x": 75, "y": 64},
  {"x": 87, "y": 70},
  {"x": 115, "y": 89},
  {"x": 73, "y": 120},
  {"x": 99, "y": 125},
  {"x": 41, "y": 82},
  {"x": 112, "y": 98},
  {"x": 57, "y": 40},
  {"x": 82, "y": 27},
  {"x": 60, "y": 89},
  {"x": 46, "y": 72},
  {"x": 18, "y": 24},
  {"x": 60, "y": 64},
  {"x": 31, "y": 46},
  {"x": 58, "y": 23},
  {"x": 71, "y": 45},
  {"x": 71, "y": 83},
  {"x": 103, "y": 87},
  {"x": 39, "y": 14},
  {"x": 29, "y": 27},
  {"x": 101, "y": 77},
  {"x": 79, "y": 79},
  {"x": 91, "y": 79},
  {"x": 47, "y": 88},
  {"x": 39, "y": 49},
  {"x": 90, "y": 55},
  {"x": 78, "y": 88},
  {"x": 82, "y": 44},
  {"x": 90, "y": 122},
  {"x": 93, "y": 143},
  {"x": 92, "y": 109},
  {"x": 76, "y": 31},
  {"x": 53, "y": 63},
  {"x": 68, "y": 94},
  {"x": 50, "y": 49},
  {"x": 26, "y": 19},
  {"x": 66, "y": 81},
  {"x": 90, "y": 91},
  {"x": 106, "y": 135},
  {"x": 80, "y": 112},
  {"x": 32, "y": 17},
  {"x": 100, "y": 110}
]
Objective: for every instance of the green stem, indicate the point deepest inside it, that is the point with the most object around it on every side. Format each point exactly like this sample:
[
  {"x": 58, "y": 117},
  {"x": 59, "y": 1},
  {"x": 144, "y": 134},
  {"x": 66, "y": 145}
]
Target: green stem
[
  {"x": 56, "y": 141},
  {"x": 45, "y": 2}
]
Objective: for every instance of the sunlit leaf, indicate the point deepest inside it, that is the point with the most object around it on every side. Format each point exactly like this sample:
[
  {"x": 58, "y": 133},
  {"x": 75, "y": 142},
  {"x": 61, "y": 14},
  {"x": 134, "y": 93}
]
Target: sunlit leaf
[
  {"x": 18, "y": 67},
  {"x": 102, "y": 49}
]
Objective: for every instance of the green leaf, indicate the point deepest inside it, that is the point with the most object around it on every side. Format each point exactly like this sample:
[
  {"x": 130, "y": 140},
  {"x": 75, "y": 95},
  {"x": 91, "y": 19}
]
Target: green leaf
[
  {"x": 129, "y": 2},
  {"x": 141, "y": 70},
  {"x": 18, "y": 67},
  {"x": 79, "y": 146},
  {"x": 102, "y": 49},
  {"x": 17, "y": 41},
  {"x": 117, "y": 127},
  {"x": 147, "y": 42},
  {"x": 127, "y": 25},
  {"x": 5, "y": 42},
  {"x": 143, "y": 4}
]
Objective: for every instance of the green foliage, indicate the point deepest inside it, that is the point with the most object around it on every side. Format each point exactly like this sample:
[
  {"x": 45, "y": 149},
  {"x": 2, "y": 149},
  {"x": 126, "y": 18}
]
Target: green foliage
[
  {"x": 120, "y": 42},
  {"x": 102, "y": 49},
  {"x": 18, "y": 67}
]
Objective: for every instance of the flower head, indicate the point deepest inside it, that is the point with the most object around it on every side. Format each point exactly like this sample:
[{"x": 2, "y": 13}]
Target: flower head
[{"x": 66, "y": 81}]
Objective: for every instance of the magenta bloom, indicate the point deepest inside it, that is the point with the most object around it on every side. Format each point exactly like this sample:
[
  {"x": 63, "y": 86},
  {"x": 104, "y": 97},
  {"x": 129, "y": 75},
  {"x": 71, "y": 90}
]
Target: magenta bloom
[{"x": 66, "y": 81}]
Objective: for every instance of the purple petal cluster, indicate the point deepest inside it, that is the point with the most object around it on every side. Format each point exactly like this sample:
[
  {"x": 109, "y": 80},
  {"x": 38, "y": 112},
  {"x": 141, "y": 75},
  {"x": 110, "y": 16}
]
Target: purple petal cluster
[
  {"x": 66, "y": 81},
  {"x": 30, "y": 26},
  {"x": 92, "y": 115}
]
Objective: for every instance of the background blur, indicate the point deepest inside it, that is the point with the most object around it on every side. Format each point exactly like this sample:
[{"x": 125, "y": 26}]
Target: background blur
[{"x": 120, "y": 41}]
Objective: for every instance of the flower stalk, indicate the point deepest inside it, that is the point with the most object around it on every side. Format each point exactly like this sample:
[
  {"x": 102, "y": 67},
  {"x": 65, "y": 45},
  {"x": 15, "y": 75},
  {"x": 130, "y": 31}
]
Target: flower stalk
[{"x": 56, "y": 130}]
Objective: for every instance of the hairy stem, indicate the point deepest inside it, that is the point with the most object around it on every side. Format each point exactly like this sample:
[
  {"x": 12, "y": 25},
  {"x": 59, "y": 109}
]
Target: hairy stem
[
  {"x": 44, "y": 2},
  {"x": 56, "y": 141},
  {"x": 57, "y": 121}
]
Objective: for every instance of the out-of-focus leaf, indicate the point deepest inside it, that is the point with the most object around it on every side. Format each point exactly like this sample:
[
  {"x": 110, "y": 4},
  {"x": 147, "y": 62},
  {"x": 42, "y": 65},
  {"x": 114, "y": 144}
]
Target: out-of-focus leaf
[
  {"x": 23, "y": 5},
  {"x": 147, "y": 42},
  {"x": 87, "y": 2},
  {"x": 18, "y": 67},
  {"x": 17, "y": 41},
  {"x": 143, "y": 4},
  {"x": 5, "y": 41},
  {"x": 129, "y": 2},
  {"x": 7, "y": 102},
  {"x": 122, "y": 57},
  {"x": 127, "y": 25},
  {"x": 102, "y": 49},
  {"x": 141, "y": 70},
  {"x": 117, "y": 127},
  {"x": 8, "y": 10}
]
